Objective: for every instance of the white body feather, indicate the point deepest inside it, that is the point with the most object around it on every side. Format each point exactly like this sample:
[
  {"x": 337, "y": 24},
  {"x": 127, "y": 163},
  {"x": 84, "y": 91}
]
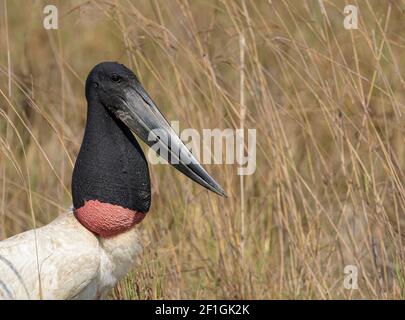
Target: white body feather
[{"x": 73, "y": 262}]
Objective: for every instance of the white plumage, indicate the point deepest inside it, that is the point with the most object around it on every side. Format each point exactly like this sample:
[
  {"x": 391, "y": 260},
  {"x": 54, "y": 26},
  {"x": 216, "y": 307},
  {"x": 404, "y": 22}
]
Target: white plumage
[{"x": 73, "y": 262}]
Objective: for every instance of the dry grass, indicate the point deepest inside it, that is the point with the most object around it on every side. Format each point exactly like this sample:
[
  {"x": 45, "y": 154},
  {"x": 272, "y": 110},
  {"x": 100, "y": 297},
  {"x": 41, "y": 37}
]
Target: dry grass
[{"x": 328, "y": 105}]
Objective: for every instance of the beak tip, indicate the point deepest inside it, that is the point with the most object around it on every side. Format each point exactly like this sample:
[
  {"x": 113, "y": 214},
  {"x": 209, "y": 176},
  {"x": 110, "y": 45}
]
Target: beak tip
[{"x": 221, "y": 192}]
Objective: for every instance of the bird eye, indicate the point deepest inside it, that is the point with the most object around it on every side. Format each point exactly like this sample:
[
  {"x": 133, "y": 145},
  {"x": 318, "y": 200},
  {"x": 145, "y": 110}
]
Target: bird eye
[
  {"x": 115, "y": 77},
  {"x": 95, "y": 85}
]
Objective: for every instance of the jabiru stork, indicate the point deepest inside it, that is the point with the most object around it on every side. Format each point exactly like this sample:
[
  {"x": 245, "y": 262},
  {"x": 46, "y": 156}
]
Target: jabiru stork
[{"x": 82, "y": 254}]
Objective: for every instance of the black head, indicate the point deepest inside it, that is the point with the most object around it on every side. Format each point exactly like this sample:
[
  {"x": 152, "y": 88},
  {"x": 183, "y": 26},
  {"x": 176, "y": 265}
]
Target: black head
[
  {"x": 115, "y": 88},
  {"x": 107, "y": 81}
]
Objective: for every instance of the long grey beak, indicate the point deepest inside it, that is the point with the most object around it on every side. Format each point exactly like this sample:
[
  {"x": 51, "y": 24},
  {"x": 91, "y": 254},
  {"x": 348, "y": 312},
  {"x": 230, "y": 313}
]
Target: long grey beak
[{"x": 143, "y": 117}]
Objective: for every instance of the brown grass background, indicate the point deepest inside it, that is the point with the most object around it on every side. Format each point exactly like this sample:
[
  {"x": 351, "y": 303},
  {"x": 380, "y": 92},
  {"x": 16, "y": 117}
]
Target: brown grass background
[{"x": 328, "y": 105}]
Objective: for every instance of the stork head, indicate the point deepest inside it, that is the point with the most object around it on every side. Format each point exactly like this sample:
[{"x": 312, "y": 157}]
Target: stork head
[
  {"x": 111, "y": 184},
  {"x": 119, "y": 90}
]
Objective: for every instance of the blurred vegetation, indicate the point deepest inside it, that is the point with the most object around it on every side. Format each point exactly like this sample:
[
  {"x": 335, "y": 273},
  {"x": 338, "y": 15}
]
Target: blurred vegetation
[{"x": 327, "y": 103}]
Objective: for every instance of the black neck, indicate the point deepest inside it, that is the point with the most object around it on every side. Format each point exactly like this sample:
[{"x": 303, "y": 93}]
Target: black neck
[{"x": 111, "y": 166}]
